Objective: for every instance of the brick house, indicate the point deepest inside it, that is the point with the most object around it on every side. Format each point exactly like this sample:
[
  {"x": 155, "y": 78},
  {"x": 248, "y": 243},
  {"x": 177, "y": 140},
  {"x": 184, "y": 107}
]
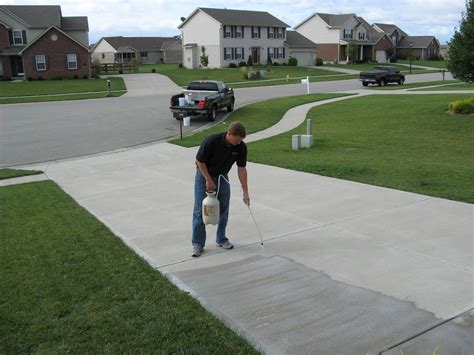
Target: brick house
[{"x": 37, "y": 42}]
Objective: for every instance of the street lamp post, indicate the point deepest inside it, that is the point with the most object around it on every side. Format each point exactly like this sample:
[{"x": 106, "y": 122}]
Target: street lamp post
[{"x": 411, "y": 46}]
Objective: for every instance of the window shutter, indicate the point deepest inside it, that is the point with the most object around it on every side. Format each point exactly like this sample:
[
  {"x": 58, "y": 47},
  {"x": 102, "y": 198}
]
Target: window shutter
[
  {"x": 232, "y": 31},
  {"x": 243, "y": 31},
  {"x": 33, "y": 61},
  {"x": 268, "y": 32},
  {"x": 23, "y": 35},
  {"x": 284, "y": 52},
  {"x": 10, "y": 36},
  {"x": 243, "y": 54},
  {"x": 233, "y": 54},
  {"x": 259, "y": 33},
  {"x": 46, "y": 62}
]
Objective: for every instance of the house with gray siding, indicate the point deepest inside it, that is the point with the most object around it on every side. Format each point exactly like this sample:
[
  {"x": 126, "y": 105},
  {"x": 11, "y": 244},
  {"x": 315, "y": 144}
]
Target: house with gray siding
[
  {"x": 231, "y": 36},
  {"x": 148, "y": 50},
  {"x": 36, "y": 41}
]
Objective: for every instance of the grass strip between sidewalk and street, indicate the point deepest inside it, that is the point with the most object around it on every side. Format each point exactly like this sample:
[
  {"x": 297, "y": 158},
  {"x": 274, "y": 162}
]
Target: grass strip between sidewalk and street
[
  {"x": 69, "y": 285},
  {"x": 14, "y": 173},
  {"x": 256, "y": 117},
  {"x": 403, "y": 142}
]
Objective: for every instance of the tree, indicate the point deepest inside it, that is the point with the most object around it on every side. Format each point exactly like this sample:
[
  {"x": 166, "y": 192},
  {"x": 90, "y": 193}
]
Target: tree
[
  {"x": 204, "y": 57},
  {"x": 351, "y": 51},
  {"x": 461, "y": 47}
]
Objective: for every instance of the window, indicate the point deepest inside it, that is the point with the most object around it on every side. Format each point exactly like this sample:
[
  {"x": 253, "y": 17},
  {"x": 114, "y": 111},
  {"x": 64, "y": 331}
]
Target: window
[
  {"x": 239, "y": 53},
  {"x": 271, "y": 53},
  {"x": 227, "y": 32},
  {"x": 72, "y": 61},
  {"x": 103, "y": 55},
  {"x": 280, "y": 52},
  {"x": 271, "y": 32},
  {"x": 239, "y": 32},
  {"x": 280, "y": 32},
  {"x": 394, "y": 38},
  {"x": 361, "y": 35},
  {"x": 347, "y": 34},
  {"x": 17, "y": 37},
  {"x": 228, "y": 54},
  {"x": 143, "y": 54},
  {"x": 40, "y": 61},
  {"x": 255, "y": 32}
]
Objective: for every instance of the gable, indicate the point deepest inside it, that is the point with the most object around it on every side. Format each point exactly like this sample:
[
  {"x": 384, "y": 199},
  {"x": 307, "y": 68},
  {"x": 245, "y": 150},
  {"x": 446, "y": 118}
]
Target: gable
[{"x": 47, "y": 32}]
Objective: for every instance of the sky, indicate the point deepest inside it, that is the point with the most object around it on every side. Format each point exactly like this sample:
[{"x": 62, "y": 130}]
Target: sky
[{"x": 160, "y": 18}]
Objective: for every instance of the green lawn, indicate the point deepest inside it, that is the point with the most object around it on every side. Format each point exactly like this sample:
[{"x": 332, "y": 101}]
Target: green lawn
[
  {"x": 404, "y": 142},
  {"x": 441, "y": 64},
  {"x": 50, "y": 87},
  {"x": 256, "y": 117},
  {"x": 458, "y": 86},
  {"x": 232, "y": 76},
  {"x": 13, "y": 173},
  {"x": 365, "y": 66},
  {"x": 69, "y": 285},
  {"x": 394, "y": 86}
]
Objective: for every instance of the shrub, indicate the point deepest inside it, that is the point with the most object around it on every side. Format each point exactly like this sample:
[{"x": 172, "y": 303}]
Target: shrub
[
  {"x": 75, "y": 76},
  {"x": 30, "y": 78},
  {"x": 120, "y": 71},
  {"x": 249, "y": 61},
  {"x": 276, "y": 64},
  {"x": 153, "y": 70},
  {"x": 180, "y": 65},
  {"x": 293, "y": 61},
  {"x": 393, "y": 59},
  {"x": 204, "y": 57},
  {"x": 232, "y": 65},
  {"x": 319, "y": 62},
  {"x": 463, "y": 107},
  {"x": 40, "y": 78},
  {"x": 242, "y": 64},
  {"x": 244, "y": 71},
  {"x": 85, "y": 77},
  {"x": 269, "y": 61},
  {"x": 284, "y": 64}
]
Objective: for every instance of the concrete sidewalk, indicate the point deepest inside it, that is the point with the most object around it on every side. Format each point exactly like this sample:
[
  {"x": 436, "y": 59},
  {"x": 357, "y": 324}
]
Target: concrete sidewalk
[{"x": 346, "y": 268}]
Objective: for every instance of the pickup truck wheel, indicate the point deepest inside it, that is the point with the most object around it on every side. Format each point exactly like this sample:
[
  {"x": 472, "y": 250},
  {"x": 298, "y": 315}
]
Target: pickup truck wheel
[
  {"x": 230, "y": 108},
  {"x": 212, "y": 115},
  {"x": 365, "y": 84},
  {"x": 401, "y": 81}
]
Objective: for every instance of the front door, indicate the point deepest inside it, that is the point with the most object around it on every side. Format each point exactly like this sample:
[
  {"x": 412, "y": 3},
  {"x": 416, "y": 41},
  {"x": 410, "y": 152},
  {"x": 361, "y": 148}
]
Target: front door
[
  {"x": 17, "y": 66},
  {"x": 256, "y": 55}
]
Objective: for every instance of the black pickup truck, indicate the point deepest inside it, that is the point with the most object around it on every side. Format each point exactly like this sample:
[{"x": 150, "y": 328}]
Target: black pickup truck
[
  {"x": 202, "y": 98},
  {"x": 381, "y": 75}
]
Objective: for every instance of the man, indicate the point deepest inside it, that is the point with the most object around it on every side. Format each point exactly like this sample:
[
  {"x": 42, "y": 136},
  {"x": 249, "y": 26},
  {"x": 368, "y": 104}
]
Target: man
[{"x": 215, "y": 157}]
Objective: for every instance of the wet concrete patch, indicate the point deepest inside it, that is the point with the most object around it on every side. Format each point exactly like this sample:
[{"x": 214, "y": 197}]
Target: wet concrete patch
[{"x": 285, "y": 308}]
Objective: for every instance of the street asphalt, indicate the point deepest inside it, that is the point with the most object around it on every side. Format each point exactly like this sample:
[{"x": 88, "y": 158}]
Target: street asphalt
[{"x": 346, "y": 268}]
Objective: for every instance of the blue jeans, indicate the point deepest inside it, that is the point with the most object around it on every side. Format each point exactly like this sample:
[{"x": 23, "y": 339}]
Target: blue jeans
[{"x": 199, "y": 229}]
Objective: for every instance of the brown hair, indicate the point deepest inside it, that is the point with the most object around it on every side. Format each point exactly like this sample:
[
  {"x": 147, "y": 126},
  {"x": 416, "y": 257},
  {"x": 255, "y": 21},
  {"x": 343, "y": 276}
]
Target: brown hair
[{"x": 237, "y": 129}]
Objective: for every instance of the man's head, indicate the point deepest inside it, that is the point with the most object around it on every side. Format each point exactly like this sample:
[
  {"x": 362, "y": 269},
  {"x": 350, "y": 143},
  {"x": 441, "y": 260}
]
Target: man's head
[{"x": 235, "y": 133}]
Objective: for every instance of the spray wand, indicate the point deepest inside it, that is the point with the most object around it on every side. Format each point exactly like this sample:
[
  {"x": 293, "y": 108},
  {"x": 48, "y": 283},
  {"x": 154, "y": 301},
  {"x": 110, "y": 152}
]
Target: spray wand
[{"x": 256, "y": 225}]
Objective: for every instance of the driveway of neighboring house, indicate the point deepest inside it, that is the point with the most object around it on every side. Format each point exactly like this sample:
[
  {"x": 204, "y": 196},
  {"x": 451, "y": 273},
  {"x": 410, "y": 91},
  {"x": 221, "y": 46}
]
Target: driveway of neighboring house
[{"x": 39, "y": 132}]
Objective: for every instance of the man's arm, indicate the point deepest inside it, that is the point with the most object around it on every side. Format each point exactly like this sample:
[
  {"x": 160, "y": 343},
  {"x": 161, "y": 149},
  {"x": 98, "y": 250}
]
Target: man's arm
[
  {"x": 242, "y": 173},
  {"x": 210, "y": 186}
]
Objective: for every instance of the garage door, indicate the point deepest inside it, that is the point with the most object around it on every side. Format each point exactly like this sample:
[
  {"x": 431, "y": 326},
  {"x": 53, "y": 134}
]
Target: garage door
[
  {"x": 380, "y": 57},
  {"x": 304, "y": 58}
]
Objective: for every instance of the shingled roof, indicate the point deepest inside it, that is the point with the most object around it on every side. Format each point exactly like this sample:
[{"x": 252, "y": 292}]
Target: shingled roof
[
  {"x": 144, "y": 44},
  {"x": 417, "y": 41},
  {"x": 335, "y": 20},
  {"x": 388, "y": 28},
  {"x": 295, "y": 39},
  {"x": 45, "y": 16},
  {"x": 241, "y": 17}
]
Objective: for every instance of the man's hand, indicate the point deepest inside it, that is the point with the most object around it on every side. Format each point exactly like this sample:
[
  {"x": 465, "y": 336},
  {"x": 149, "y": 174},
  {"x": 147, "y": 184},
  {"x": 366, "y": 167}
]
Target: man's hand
[
  {"x": 210, "y": 186},
  {"x": 246, "y": 199}
]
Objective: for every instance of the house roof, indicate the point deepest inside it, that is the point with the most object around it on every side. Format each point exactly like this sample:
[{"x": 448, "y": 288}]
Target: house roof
[
  {"x": 388, "y": 28},
  {"x": 335, "y": 20},
  {"x": 45, "y": 16},
  {"x": 295, "y": 39},
  {"x": 240, "y": 17},
  {"x": 148, "y": 44},
  {"x": 373, "y": 35},
  {"x": 417, "y": 41},
  {"x": 60, "y": 31},
  {"x": 74, "y": 23}
]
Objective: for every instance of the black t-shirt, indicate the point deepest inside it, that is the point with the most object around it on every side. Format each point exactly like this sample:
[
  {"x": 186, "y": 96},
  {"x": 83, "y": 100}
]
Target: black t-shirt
[{"x": 219, "y": 156}]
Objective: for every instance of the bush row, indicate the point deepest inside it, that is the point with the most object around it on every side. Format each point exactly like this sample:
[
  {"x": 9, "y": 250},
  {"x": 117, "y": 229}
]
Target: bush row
[{"x": 465, "y": 107}]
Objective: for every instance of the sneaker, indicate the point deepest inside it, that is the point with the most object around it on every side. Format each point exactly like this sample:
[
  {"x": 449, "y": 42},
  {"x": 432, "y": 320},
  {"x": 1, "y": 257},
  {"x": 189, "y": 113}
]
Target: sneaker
[
  {"x": 197, "y": 250},
  {"x": 225, "y": 245}
]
